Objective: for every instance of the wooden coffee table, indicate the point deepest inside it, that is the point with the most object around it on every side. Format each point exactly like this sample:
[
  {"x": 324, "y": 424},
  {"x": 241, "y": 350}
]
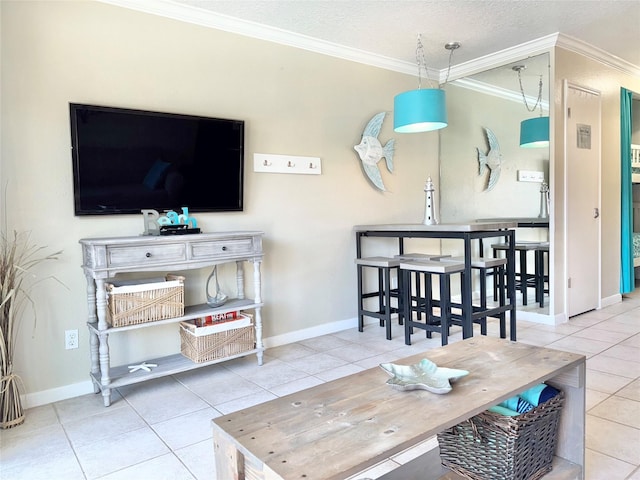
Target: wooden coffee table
[{"x": 342, "y": 427}]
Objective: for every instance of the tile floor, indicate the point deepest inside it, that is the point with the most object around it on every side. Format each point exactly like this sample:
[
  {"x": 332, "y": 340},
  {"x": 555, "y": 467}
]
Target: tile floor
[{"x": 160, "y": 429}]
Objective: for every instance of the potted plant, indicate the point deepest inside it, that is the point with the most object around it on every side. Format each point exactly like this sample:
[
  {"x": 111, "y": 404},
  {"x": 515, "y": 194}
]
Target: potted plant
[{"x": 18, "y": 257}]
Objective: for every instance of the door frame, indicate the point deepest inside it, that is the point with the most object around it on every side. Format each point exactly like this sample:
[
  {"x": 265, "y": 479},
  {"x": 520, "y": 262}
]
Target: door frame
[{"x": 566, "y": 84}]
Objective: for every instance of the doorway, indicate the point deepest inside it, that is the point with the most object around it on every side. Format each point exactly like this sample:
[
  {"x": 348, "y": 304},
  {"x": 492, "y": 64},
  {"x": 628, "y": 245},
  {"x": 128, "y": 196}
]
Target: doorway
[{"x": 582, "y": 190}]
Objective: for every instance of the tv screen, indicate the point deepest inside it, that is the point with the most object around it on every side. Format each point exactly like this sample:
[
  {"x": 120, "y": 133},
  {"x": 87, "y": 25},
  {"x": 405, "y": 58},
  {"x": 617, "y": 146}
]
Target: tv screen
[{"x": 128, "y": 160}]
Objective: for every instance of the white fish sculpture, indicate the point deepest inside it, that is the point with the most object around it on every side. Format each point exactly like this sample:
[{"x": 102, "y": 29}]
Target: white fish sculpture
[
  {"x": 492, "y": 160},
  {"x": 371, "y": 151}
]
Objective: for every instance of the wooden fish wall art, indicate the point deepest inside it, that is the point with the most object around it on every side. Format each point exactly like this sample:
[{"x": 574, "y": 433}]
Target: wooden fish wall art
[
  {"x": 371, "y": 151},
  {"x": 492, "y": 160}
]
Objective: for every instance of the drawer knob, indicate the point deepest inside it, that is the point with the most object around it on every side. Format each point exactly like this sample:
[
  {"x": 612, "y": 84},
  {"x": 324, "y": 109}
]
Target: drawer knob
[
  {"x": 148, "y": 255},
  {"x": 224, "y": 248}
]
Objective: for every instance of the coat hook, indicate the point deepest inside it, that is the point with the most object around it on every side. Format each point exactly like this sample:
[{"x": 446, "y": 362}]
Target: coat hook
[
  {"x": 311, "y": 165},
  {"x": 289, "y": 164},
  {"x": 266, "y": 163}
]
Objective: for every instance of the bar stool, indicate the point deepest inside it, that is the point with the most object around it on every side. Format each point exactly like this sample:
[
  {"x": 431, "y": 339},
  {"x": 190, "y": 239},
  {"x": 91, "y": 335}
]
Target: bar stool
[
  {"x": 384, "y": 292},
  {"x": 524, "y": 279},
  {"x": 433, "y": 323},
  {"x": 481, "y": 312}
]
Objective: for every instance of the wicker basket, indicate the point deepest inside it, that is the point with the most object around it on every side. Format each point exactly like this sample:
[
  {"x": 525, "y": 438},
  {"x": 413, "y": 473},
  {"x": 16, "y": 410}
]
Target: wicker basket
[
  {"x": 202, "y": 347},
  {"x": 490, "y": 446},
  {"x": 145, "y": 302}
]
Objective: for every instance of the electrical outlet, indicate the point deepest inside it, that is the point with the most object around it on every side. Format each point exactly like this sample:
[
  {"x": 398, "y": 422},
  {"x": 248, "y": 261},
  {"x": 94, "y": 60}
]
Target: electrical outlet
[{"x": 70, "y": 339}]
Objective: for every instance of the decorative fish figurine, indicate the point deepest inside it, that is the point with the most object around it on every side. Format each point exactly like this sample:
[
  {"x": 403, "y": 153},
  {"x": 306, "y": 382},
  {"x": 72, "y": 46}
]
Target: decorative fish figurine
[
  {"x": 371, "y": 151},
  {"x": 492, "y": 160}
]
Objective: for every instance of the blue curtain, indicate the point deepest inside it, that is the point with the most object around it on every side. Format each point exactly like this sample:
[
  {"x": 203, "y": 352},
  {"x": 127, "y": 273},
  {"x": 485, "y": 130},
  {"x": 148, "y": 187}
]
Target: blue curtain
[{"x": 627, "y": 281}]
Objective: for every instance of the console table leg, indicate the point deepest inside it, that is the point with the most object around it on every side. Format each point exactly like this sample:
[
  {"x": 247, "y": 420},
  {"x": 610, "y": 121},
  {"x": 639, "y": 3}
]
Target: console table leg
[
  {"x": 93, "y": 338},
  {"x": 258, "y": 311}
]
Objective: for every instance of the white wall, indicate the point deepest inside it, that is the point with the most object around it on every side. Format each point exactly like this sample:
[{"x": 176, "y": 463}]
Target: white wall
[{"x": 293, "y": 101}]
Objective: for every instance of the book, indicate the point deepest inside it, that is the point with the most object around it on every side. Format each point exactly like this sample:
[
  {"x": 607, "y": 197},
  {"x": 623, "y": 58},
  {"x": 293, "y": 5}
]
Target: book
[{"x": 242, "y": 320}]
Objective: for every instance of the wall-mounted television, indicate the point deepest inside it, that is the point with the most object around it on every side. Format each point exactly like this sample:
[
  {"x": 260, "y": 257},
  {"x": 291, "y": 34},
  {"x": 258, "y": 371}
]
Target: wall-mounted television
[{"x": 127, "y": 160}]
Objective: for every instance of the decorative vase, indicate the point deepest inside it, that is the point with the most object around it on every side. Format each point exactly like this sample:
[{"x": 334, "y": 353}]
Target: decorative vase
[{"x": 219, "y": 298}]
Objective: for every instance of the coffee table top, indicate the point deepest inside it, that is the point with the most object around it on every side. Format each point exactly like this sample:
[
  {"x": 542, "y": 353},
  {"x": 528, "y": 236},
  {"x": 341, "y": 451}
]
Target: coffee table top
[{"x": 341, "y": 427}]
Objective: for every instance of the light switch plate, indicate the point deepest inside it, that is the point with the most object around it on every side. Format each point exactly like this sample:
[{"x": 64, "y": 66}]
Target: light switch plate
[{"x": 267, "y": 163}]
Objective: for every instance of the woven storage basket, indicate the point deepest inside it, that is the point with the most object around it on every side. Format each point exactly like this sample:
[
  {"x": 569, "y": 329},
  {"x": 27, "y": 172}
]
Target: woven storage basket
[
  {"x": 205, "y": 348},
  {"x": 146, "y": 302},
  {"x": 490, "y": 446}
]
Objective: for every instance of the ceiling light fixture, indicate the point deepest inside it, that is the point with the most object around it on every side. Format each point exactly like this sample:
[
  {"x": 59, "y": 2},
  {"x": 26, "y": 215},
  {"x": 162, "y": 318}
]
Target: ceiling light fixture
[
  {"x": 534, "y": 132},
  {"x": 422, "y": 110}
]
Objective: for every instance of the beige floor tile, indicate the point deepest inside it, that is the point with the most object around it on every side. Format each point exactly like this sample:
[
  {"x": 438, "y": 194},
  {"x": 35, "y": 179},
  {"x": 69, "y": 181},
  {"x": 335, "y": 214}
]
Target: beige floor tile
[
  {"x": 603, "y": 467},
  {"x": 601, "y": 334},
  {"x": 612, "y": 439},
  {"x": 61, "y": 464},
  {"x": 620, "y": 410},
  {"x": 580, "y": 344},
  {"x": 339, "y": 372},
  {"x": 86, "y": 405},
  {"x": 165, "y": 467},
  {"x": 199, "y": 459},
  {"x": 317, "y": 363},
  {"x": 103, "y": 425},
  {"x": 296, "y": 386},
  {"x": 188, "y": 429},
  {"x": 275, "y": 372},
  {"x": 34, "y": 419},
  {"x": 606, "y": 382},
  {"x": 604, "y": 363},
  {"x": 631, "y": 391},
  {"x": 47, "y": 441},
  {"x": 593, "y": 398},
  {"x": 117, "y": 452},
  {"x": 635, "y": 475},
  {"x": 623, "y": 352},
  {"x": 632, "y": 341}
]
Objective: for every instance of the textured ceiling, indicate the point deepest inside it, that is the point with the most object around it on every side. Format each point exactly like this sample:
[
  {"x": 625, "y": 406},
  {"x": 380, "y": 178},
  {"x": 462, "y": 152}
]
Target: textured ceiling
[{"x": 389, "y": 27}]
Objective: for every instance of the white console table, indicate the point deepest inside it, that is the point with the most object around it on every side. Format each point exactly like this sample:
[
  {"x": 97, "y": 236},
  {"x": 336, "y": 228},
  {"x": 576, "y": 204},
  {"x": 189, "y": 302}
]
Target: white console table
[{"x": 103, "y": 258}]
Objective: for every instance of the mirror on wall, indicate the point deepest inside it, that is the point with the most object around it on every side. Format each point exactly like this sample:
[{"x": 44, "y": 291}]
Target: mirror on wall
[{"x": 484, "y": 172}]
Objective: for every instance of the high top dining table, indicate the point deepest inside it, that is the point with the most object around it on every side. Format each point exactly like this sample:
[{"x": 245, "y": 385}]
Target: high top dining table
[{"x": 466, "y": 232}]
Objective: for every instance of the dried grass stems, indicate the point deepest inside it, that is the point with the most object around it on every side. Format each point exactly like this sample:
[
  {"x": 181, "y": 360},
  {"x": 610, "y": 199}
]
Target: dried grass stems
[{"x": 18, "y": 257}]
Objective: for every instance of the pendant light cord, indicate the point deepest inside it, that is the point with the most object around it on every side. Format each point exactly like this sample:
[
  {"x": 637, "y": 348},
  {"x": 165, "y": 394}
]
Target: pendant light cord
[
  {"x": 422, "y": 63},
  {"x": 519, "y": 69}
]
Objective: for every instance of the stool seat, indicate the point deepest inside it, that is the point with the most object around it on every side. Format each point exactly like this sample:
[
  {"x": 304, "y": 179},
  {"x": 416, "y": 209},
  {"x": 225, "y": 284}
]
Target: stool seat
[
  {"x": 525, "y": 279},
  {"x": 379, "y": 262},
  {"x": 480, "y": 262},
  {"x": 420, "y": 256},
  {"x": 432, "y": 266}
]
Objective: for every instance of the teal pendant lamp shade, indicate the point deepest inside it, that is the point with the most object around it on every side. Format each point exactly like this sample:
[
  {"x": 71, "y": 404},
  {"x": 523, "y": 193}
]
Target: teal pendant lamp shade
[
  {"x": 419, "y": 110},
  {"x": 534, "y": 132}
]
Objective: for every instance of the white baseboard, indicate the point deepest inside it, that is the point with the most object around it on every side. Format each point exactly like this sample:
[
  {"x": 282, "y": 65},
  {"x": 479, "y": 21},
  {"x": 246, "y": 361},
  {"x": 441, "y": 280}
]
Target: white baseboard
[
  {"x": 311, "y": 332},
  {"x": 36, "y": 399},
  {"x": 44, "y": 397},
  {"x": 612, "y": 300}
]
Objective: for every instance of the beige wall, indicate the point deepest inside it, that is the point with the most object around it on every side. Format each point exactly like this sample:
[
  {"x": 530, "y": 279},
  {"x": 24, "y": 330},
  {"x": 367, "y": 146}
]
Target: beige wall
[
  {"x": 597, "y": 76},
  {"x": 293, "y": 101}
]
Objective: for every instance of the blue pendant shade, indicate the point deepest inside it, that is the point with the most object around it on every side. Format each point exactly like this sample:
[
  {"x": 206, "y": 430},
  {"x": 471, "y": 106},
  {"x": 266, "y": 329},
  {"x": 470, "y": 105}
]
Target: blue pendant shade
[
  {"x": 420, "y": 110},
  {"x": 534, "y": 132}
]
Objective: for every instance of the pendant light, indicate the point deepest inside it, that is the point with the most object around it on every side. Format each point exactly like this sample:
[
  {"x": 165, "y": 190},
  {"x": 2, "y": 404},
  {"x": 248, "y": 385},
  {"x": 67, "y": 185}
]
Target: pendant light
[
  {"x": 422, "y": 110},
  {"x": 534, "y": 132}
]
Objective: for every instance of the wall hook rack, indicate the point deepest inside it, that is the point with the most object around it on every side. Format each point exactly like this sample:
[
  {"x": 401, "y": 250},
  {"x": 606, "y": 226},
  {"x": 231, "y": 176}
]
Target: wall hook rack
[{"x": 271, "y": 163}]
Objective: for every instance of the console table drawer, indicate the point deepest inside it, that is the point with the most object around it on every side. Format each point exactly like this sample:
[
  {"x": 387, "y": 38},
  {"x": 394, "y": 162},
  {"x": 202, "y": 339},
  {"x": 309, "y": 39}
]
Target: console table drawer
[
  {"x": 222, "y": 248},
  {"x": 122, "y": 256}
]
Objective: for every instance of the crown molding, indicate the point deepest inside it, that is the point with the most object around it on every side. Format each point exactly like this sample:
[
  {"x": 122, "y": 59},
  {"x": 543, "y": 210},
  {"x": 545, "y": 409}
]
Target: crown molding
[
  {"x": 205, "y": 18},
  {"x": 503, "y": 93},
  {"x": 578, "y": 46}
]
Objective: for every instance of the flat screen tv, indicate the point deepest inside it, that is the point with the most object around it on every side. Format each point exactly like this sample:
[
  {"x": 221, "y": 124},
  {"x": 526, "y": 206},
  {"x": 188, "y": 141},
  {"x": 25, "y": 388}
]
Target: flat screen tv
[{"x": 127, "y": 160}]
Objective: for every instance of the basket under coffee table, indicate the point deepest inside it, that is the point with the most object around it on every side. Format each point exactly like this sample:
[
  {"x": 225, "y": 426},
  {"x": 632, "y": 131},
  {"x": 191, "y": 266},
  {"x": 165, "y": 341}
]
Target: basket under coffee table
[{"x": 340, "y": 428}]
